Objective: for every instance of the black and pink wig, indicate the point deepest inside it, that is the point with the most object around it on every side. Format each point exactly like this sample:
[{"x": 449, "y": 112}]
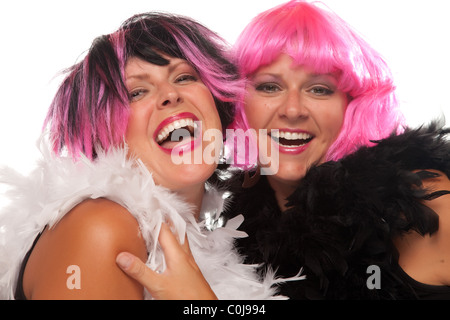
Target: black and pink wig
[
  {"x": 317, "y": 38},
  {"x": 91, "y": 107}
]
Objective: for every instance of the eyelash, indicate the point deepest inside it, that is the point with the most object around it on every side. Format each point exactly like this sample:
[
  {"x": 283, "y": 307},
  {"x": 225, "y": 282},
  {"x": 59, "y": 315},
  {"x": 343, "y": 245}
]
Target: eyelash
[
  {"x": 134, "y": 95},
  {"x": 186, "y": 77},
  {"x": 267, "y": 87},
  {"x": 273, "y": 87},
  {"x": 326, "y": 91}
]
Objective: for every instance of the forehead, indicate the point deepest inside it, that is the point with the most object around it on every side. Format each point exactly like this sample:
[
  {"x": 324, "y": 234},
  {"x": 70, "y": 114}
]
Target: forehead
[
  {"x": 286, "y": 64},
  {"x": 136, "y": 67},
  {"x": 282, "y": 61}
]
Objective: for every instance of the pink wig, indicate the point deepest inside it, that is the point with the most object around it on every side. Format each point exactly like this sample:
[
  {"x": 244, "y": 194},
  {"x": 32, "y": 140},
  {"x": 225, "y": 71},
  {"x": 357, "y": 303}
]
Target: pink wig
[
  {"x": 318, "y": 38},
  {"x": 91, "y": 108}
]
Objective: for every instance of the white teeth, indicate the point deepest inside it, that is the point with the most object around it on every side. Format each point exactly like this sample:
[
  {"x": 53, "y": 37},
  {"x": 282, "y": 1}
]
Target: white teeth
[
  {"x": 177, "y": 124},
  {"x": 291, "y": 135},
  {"x": 288, "y": 135}
]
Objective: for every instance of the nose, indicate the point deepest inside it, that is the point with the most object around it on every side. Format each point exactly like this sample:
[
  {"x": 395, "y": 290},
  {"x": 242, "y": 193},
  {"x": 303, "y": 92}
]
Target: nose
[
  {"x": 294, "y": 107},
  {"x": 169, "y": 96}
]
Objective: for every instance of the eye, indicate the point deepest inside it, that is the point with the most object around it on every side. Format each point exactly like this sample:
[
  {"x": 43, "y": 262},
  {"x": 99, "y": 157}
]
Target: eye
[
  {"x": 321, "y": 91},
  {"x": 186, "y": 78},
  {"x": 268, "y": 87},
  {"x": 137, "y": 94}
]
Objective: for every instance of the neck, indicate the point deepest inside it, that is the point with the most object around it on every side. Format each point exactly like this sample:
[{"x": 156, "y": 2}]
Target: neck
[
  {"x": 282, "y": 191},
  {"x": 194, "y": 196}
]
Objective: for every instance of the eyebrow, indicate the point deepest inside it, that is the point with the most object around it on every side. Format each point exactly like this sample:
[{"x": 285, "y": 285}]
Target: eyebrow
[
  {"x": 146, "y": 76},
  {"x": 329, "y": 74},
  {"x": 173, "y": 66},
  {"x": 319, "y": 76},
  {"x": 310, "y": 75},
  {"x": 138, "y": 76}
]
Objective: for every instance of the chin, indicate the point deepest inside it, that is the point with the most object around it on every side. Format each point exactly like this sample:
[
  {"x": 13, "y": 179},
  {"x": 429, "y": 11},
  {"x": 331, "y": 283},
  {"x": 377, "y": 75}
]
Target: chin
[
  {"x": 292, "y": 173},
  {"x": 188, "y": 175}
]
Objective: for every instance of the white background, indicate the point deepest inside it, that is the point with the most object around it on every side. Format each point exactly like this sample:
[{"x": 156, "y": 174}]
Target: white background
[{"x": 41, "y": 38}]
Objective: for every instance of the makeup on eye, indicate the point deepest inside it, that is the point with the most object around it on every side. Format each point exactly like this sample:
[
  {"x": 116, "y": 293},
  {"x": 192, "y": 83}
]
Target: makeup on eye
[
  {"x": 321, "y": 84},
  {"x": 320, "y": 90},
  {"x": 317, "y": 90},
  {"x": 183, "y": 72},
  {"x": 317, "y": 84},
  {"x": 136, "y": 94},
  {"x": 145, "y": 82},
  {"x": 186, "y": 78},
  {"x": 267, "y": 87}
]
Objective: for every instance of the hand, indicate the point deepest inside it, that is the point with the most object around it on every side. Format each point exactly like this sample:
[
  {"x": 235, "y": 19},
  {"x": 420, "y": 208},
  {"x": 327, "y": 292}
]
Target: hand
[{"x": 182, "y": 279}]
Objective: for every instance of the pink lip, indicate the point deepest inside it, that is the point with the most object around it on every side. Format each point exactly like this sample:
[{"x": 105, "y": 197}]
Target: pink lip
[
  {"x": 187, "y": 147},
  {"x": 293, "y": 150}
]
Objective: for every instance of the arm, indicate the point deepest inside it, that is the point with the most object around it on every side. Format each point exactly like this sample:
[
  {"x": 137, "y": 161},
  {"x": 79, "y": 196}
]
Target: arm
[
  {"x": 81, "y": 250},
  {"x": 181, "y": 280}
]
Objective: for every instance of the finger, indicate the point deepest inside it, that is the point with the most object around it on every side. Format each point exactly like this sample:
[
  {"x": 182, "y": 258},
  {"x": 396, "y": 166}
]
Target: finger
[
  {"x": 173, "y": 250},
  {"x": 136, "y": 269},
  {"x": 185, "y": 246},
  {"x": 169, "y": 240},
  {"x": 170, "y": 245}
]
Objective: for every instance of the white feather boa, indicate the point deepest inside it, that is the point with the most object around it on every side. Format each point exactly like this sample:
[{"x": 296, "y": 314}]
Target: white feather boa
[{"x": 58, "y": 184}]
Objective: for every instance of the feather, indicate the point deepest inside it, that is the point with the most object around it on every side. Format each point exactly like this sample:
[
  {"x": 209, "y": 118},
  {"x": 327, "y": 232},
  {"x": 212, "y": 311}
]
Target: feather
[
  {"x": 58, "y": 184},
  {"x": 343, "y": 216}
]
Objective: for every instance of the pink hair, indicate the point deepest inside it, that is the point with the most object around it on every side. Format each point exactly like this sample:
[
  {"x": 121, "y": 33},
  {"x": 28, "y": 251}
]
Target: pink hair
[
  {"x": 91, "y": 108},
  {"x": 318, "y": 38}
]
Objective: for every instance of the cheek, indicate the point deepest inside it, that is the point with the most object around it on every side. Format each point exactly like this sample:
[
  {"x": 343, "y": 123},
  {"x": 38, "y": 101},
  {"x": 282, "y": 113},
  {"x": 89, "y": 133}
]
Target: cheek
[
  {"x": 258, "y": 112},
  {"x": 138, "y": 129},
  {"x": 212, "y": 114},
  {"x": 331, "y": 119},
  {"x": 333, "y": 123},
  {"x": 339, "y": 117},
  {"x": 218, "y": 123},
  {"x": 202, "y": 98}
]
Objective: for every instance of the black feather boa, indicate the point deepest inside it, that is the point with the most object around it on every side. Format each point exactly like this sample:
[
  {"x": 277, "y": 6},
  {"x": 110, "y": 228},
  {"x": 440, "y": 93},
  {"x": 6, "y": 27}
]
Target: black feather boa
[{"x": 343, "y": 216}]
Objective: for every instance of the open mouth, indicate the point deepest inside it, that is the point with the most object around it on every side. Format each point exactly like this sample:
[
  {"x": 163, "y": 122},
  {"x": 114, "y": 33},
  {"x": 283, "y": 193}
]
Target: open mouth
[
  {"x": 291, "y": 141},
  {"x": 177, "y": 131}
]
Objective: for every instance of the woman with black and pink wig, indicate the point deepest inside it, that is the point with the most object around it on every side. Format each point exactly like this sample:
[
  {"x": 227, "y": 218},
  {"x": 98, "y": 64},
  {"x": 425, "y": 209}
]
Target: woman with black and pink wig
[
  {"x": 121, "y": 171},
  {"x": 351, "y": 196}
]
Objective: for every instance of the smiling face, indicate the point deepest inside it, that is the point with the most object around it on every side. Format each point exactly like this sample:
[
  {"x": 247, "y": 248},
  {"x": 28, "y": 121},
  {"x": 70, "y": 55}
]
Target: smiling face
[
  {"x": 306, "y": 108},
  {"x": 165, "y": 101}
]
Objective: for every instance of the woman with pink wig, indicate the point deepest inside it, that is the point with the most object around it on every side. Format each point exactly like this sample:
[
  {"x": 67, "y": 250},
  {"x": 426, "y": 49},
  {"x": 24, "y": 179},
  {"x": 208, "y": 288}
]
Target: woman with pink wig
[{"x": 353, "y": 197}]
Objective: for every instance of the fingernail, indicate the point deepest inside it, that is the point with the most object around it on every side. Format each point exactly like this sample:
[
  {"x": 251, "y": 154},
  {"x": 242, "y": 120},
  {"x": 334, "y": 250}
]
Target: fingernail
[{"x": 124, "y": 260}]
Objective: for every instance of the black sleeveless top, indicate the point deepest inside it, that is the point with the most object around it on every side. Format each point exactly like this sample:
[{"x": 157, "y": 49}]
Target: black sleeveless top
[
  {"x": 19, "y": 294},
  {"x": 425, "y": 291}
]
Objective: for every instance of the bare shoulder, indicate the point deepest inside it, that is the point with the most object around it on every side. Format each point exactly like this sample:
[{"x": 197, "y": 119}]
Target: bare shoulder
[
  {"x": 76, "y": 258},
  {"x": 101, "y": 218},
  {"x": 441, "y": 205},
  {"x": 440, "y": 182},
  {"x": 427, "y": 258}
]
